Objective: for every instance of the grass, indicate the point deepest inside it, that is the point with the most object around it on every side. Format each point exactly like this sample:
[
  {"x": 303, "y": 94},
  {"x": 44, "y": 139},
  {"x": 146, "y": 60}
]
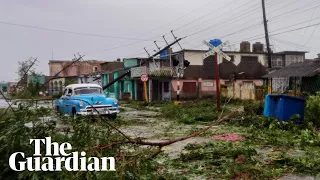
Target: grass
[{"x": 271, "y": 150}]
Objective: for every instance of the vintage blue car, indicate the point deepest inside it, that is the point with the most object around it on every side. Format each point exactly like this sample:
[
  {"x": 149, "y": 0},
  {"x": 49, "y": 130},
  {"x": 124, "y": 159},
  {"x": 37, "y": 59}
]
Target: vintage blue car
[{"x": 86, "y": 99}]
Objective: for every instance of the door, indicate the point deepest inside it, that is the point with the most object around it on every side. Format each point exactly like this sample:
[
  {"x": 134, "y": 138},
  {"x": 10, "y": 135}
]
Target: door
[
  {"x": 166, "y": 90},
  {"x": 67, "y": 102},
  {"x": 155, "y": 88},
  {"x": 140, "y": 91}
]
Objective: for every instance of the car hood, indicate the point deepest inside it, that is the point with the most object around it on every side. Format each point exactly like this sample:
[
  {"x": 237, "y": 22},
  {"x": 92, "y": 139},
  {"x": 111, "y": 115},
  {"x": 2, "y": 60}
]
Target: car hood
[{"x": 95, "y": 99}]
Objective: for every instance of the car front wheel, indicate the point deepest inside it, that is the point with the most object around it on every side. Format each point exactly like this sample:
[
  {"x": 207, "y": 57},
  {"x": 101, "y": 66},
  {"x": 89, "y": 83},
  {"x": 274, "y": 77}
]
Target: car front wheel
[{"x": 112, "y": 116}]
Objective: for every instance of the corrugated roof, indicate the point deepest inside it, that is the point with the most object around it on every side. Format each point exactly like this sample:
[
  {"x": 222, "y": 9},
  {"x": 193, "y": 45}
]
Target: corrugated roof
[{"x": 303, "y": 69}]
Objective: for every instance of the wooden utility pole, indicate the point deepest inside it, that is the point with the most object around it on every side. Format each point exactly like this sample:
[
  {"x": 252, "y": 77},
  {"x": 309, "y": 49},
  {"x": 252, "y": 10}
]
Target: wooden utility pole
[
  {"x": 267, "y": 41},
  {"x": 216, "y": 59}
]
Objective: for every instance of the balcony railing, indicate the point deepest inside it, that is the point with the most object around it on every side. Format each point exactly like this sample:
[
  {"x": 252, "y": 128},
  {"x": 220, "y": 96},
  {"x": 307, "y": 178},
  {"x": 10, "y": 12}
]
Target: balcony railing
[{"x": 164, "y": 71}]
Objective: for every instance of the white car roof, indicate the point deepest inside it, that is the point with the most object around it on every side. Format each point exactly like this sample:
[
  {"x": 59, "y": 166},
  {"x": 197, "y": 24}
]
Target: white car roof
[{"x": 73, "y": 86}]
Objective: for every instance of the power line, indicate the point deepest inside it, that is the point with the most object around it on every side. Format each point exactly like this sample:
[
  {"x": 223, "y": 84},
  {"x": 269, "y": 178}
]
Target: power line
[
  {"x": 311, "y": 18},
  {"x": 70, "y": 32},
  {"x": 296, "y": 29},
  {"x": 177, "y": 18},
  {"x": 288, "y": 43},
  {"x": 221, "y": 22},
  {"x": 229, "y": 22},
  {"x": 200, "y": 17},
  {"x": 133, "y": 42},
  {"x": 315, "y": 28},
  {"x": 275, "y": 18}
]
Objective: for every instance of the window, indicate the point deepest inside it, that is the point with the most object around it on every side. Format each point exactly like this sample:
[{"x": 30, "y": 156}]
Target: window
[
  {"x": 69, "y": 91},
  {"x": 166, "y": 87},
  {"x": 190, "y": 87},
  {"x": 65, "y": 91},
  {"x": 95, "y": 68},
  {"x": 85, "y": 90},
  {"x": 279, "y": 63},
  {"x": 276, "y": 62}
]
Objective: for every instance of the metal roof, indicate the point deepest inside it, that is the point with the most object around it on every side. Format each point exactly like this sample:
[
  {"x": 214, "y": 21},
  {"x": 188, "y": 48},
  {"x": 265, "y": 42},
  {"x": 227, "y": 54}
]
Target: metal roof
[{"x": 303, "y": 69}]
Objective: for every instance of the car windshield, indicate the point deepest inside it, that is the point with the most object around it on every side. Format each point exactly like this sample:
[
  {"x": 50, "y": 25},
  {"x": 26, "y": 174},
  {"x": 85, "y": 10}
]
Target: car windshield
[{"x": 85, "y": 90}]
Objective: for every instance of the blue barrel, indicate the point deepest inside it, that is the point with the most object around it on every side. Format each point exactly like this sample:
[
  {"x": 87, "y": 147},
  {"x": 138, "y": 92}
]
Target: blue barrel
[{"x": 283, "y": 107}]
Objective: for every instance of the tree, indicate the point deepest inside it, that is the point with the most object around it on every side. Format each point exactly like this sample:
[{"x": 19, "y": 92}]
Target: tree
[
  {"x": 25, "y": 67},
  {"x": 31, "y": 88}
]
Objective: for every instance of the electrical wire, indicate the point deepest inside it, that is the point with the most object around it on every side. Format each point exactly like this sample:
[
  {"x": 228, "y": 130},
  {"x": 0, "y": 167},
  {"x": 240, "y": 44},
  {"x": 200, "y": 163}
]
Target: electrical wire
[
  {"x": 222, "y": 22},
  {"x": 177, "y": 18},
  {"x": 228, "y": 21},
  {"x": 70, "y": 32},
  {"x": 299, "y": 10},
  {"x": 314, "y": 30},
  {"x": 213, "y": 11}
]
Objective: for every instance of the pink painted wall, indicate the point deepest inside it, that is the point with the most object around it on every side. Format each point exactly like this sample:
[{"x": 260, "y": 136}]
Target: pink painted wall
[{"x": 174, "y": 83}]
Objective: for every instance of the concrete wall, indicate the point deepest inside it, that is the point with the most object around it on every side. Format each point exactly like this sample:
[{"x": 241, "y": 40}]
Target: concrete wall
[
  {"x": 195, "y": 58},
  {"x": 81, "y": 67},
  {"x": 244, "y": 89}
]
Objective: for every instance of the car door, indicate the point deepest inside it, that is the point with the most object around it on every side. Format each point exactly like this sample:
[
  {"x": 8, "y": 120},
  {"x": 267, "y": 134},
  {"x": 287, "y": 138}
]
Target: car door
[
  {"x": 67, "y": 101},
  {"x": 62, "y": 101}
]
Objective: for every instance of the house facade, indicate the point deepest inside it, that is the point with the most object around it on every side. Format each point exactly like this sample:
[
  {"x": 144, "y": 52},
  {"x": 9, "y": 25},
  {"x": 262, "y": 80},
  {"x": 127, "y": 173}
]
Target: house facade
[
  {"x": 243, "y": 71},
  {"x": 159, "y": 87},
  {"x": 303, "y": 77},
  {"x": 283, "y": 59},
  {"x": 76, "y": 69},
  {"x": 56, "y": 85}
]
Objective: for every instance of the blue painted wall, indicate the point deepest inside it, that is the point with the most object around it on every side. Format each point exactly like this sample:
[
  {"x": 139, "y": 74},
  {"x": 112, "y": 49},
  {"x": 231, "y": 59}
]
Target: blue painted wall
[
  {"x": 36, "y": 78},
  {"x": 130, "y": 62}
]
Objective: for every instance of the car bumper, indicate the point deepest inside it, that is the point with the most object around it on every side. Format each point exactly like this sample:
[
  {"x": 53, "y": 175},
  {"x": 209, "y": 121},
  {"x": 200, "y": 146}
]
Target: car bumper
[{"x": 85, "y": 113}]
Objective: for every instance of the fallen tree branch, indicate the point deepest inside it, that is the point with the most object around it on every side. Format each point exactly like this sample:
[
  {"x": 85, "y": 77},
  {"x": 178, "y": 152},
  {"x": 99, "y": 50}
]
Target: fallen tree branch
[
  {"x": 166, "y": 143},
  {"x": 154, "y": 154}
]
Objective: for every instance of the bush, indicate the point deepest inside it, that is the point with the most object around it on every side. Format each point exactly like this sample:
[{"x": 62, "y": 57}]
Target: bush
[
  {"x": 253, "y": 108},
  {"x": 313, "y": 109},
  {"x": 56, "y": 96}
]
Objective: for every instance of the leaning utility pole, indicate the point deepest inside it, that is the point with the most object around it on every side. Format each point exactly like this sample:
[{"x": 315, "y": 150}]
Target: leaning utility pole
[{"x": 267, "y": 41}]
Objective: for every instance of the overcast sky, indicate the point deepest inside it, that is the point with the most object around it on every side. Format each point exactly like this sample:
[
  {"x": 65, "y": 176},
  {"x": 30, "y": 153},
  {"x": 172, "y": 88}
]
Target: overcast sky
[{"x": 122, "y": 28}]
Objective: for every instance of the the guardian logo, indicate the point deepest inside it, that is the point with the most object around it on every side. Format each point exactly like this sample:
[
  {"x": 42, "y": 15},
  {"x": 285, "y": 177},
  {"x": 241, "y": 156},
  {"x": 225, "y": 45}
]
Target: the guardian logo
[{"x": 58, "y": 160}]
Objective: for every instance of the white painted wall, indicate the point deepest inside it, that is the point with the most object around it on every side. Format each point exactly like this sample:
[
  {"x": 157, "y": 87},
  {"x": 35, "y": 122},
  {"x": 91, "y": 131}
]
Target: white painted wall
[{"x": 196, "y": 58}]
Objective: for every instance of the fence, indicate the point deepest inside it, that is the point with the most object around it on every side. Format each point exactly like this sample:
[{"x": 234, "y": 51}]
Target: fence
[{"x": 246, "y": 91}]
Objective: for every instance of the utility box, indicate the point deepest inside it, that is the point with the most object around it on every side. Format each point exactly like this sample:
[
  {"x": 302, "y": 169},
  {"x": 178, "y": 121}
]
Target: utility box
[{"x": 283, "y": 107}]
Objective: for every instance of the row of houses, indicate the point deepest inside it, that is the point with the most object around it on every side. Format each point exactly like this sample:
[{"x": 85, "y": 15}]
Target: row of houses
[
  {"x": 243, "y": 74},
  {"x": 245, "y": 70}
]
